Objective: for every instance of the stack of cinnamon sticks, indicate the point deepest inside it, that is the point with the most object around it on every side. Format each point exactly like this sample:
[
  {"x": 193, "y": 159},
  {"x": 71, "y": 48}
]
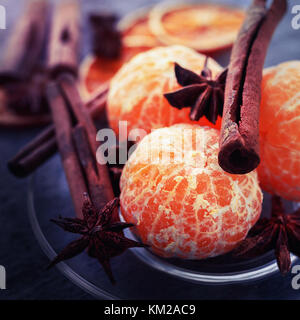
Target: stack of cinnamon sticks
[
  {"x": 22, "y": 74},
  {"x": 76, "y": 139},
  {"x": 73, "y": 131},
  {"x": 62, "y": 57},
  {"x": 74, "y": 128},
  {"x": 41, "y": 148}
]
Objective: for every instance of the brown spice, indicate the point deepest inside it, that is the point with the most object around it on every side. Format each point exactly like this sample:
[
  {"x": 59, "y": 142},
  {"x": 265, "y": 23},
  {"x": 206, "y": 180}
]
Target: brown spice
[
  {"x": 107, "y": 39},
  {"x": 24, "y": 48},
  {"x": 116, "y": 169},
  {"x": 281, "y": 232},
  {"x": 201, "y": 93},
  {"x": 64, "y": 39},
  {"x": 21, "y": 76},
  {"x": 97, "y": 216},
  {"x": 39, "y": 150},
  {"x": 100, "y": 234},
  {"x": 27, "y": 97},
  {"x": 239, "y": 147},
  {"x": 63, "y": 128}
]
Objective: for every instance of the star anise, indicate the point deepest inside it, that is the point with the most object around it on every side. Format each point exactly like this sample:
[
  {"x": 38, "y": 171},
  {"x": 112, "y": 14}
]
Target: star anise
[
  {"x": 101, "y": 235},
  {"x": 281, "y": 232},
  {"x": 204, "y": 95}
]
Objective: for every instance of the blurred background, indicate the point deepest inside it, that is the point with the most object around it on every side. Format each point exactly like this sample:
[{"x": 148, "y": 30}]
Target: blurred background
[{"x": 20, "y": 253}]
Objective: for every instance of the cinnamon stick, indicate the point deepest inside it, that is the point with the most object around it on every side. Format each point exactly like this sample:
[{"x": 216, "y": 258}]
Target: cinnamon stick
[
  {"x": 88, "y": 163},
  {"x": 78, "y": 146},
  {"x": 239, "y": 145},
  {"x": 39, "y": 150},
  {"x": 34, "y": 154},
  {"x": 63, "y": 127},
  {"x": 64, "y": 39},
  {"x": 24, "y": 48},
  {"x": 70, "y": 91}
]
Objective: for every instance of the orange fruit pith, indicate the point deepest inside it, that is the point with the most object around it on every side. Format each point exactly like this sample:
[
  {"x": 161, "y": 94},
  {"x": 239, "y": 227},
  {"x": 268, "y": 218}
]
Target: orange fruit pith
[
  {"x": 181, "y": 202},
  {"x": 136, "y": 91},
  {"x": 279, "y": 171}
]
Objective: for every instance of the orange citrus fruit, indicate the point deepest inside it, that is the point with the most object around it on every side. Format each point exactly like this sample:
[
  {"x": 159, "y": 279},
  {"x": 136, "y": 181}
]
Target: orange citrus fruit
[
  {"x": 279, "y": 171},
  {"x": 203, "y": 27},
  {"x": 136, "y": 91},
  {"x": 182, "y": 203}
]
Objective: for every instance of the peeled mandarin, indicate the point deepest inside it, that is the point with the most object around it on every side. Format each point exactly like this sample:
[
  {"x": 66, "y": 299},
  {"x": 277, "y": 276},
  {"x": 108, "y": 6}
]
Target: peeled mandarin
[
  {"x": 182, "y": 203},
  {"x": 136, "y": 91},
  {"x": 279, "y": 171}
]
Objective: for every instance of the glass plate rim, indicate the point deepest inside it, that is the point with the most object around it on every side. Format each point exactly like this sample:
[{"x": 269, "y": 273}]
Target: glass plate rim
[
  {"x": 67, "y": 271},
  {"x": 146, "y": 257},
  {"x": 238, "y": 277}
]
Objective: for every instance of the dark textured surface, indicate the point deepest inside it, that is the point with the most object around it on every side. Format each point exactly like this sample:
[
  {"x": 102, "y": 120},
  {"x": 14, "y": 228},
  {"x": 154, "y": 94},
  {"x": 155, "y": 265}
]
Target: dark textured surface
[{"x": 19, "y": 251}]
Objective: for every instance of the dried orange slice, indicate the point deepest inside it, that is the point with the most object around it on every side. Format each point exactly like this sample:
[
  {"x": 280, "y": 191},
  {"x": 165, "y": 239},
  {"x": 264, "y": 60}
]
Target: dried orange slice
[
  {"x": 203, "y": 27},
  {"x": 136, "y": 32},
  {"x": 136, "y": 38},
  {"x": 94, "y": 72},
  {"x": 182, "y": 203}
]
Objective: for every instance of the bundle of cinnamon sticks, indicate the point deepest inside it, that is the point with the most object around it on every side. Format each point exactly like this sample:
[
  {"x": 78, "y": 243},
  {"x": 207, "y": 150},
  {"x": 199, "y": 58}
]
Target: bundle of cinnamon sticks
[
  {"x": 73, "y": 131},
  {"x": 75, "y": 135},
  {"x": 22, "y": 73},
  {"x": 41, "y": 148},
  {"x": 74, "y": 128},
  {"x": 25, "y": 69}
]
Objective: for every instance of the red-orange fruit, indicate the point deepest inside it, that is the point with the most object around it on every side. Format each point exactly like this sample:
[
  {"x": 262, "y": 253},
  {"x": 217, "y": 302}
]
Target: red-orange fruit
[
  {"x": 182, "y": 203},
  {"x": 204, "y": 27},
  {"x": 279, "y": 171},
  {"x": 136, "y": 92}
]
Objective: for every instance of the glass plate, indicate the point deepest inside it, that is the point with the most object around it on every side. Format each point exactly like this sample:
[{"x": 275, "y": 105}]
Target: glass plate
[{"x": 139, "y": 273}]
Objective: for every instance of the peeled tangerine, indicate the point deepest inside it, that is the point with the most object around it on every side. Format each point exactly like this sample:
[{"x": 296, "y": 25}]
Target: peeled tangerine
[
  {"x": 279, "y": 171},
  {"x": 182, "y": 203},
  {"x": 136, "y": 91}
]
